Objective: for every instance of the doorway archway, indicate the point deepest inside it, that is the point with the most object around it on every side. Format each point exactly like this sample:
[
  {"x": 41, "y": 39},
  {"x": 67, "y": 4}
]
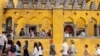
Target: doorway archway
[{"x": 69, "y": 29}]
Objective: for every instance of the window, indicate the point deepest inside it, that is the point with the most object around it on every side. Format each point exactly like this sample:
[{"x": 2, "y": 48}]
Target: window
[
  {"x": 68, "y": 30},
  {"x": 9, "y": 24}
]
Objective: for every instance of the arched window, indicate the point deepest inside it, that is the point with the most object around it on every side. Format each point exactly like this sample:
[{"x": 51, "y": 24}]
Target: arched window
[
  {"x": 9, "y": 24},
  {"x": 68, "y": 30}
]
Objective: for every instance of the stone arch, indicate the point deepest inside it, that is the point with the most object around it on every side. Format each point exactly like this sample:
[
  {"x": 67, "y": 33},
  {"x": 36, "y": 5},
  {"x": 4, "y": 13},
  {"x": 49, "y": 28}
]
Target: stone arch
[
  {"x": 19, "y": 18},
  {"x": 69, "y": 19},
  {"x": 69, "y": 29},
  {"x": 81, "y": 22},
  {"x": 94, "y": 20},
  {"x": 46, "y": 24},
  {"x": 45, "y": 18},
  {"x": 21, "y": 24},
  {"x": 34, "y": 20}
]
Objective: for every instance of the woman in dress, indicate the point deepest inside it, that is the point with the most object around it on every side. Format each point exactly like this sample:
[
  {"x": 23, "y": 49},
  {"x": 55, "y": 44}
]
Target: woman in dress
[
  {"x": 18, "y": 49},
  {"x": 40, "y": 49},
  {"x": 86, "y": 52},
  {"x": 36, "y": 50},
  {"x": 12, "y": 49},
  {"x": 72, "y": 49}
]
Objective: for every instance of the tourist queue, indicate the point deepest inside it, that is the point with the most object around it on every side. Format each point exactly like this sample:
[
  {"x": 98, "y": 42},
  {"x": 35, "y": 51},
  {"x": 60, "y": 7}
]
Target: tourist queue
[{"x": 8, "y": 48}]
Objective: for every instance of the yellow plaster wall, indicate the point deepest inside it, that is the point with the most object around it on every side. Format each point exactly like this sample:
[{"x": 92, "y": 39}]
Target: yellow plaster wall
[
  {"x": 79, "y": 44},
  {"x": 57, "y": 17}
]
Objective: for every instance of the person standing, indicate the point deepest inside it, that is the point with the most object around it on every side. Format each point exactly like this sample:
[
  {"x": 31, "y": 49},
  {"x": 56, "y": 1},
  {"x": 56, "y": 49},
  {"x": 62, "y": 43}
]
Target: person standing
[
  {"x": 40, "y": 49},
  {"x": 18, "y": 49},
  {"x": 66, "y": 34},
  {"x": 72, "y": 49},
  {"x": 12, "y": 49},
  {"x": 36, "y": 50},
  {"x": 12, "y": 35},
  {"x": 43, "y": 33},
  {"x": 32, "y": 34},
  {"x": 26, "y": 53},
  {"x": 3, "y": 39},
  {"x": 86, "y": 52},
  {"x": 64, "y": 49},
  {"x": 97, "y": 53},
  {"x": 22, "y": 33},
  {"x": 52, "y": 48}
]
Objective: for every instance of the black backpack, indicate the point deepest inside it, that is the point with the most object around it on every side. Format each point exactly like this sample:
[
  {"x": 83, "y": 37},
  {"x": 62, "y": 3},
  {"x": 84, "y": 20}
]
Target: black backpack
[{"x": 13, "y": 48}]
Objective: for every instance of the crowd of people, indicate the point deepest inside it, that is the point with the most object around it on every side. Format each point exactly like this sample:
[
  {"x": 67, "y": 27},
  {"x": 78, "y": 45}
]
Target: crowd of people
[
  {"x": 80, "y": 33},
  {"x": 8, "y": 48},
  {"x": 33, "y": 33}
]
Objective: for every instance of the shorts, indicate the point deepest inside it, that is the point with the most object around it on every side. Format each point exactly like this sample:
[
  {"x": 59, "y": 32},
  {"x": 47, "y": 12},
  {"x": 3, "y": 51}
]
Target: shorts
[{"x": 1, "y": 47}]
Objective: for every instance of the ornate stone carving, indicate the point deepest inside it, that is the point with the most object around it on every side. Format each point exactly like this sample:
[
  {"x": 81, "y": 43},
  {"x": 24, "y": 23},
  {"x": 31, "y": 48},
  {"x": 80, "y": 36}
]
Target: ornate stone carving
[
  {"x": 48, "y": 5},
  {"x": 20, "y": 4},
  {"x": 57, "y": 4},
  {"x": 84, "y": 5},
  {"x": 75, "y": 5},
  {"x": 39, "y": 5},
  {"x": 10, "y": 4},
  {"x": 93, "y": 5},
  {"x": 66, "y": 5},
  {"x": 30, "y": 4}
]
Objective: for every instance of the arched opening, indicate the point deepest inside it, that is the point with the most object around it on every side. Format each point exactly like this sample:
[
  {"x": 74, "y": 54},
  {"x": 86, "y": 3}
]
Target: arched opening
[
  {"x": 94, "y": 25},
  {"x": 69, "y": 19},
  {"x": 68, "y": 30},
  {"x": 21, "y": 24},
  {"x": 80, "y": 23},
  {"x": 9, "y": 24}
]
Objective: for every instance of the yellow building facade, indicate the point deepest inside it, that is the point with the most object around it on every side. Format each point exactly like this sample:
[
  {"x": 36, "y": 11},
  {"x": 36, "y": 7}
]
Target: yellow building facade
[{"x": 53, "y": 16}]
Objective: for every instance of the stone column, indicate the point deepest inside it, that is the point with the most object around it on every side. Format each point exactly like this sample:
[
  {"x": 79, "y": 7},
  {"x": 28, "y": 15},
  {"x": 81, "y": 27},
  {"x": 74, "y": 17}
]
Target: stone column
[
  {"x": 27, "y": 30},
  {"x": 86, "y": 27},
  {"x": 97, "y": 29},
  {"x": 75, "y": 30},
  {"x": 37, "y": 29},
  {"x": 15, "y": 26},
  {"x": 3, "y": 27},
  {"x": 40, "y": 27}
]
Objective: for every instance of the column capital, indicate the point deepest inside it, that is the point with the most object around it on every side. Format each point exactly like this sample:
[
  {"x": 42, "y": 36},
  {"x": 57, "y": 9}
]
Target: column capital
[
  {"x": 3, "y": 25},
  {"x": 74, "y": 25},
  {"x": 15, "y": 24},
  {"x": 85, "y": 25},
  {"x": 40, "y": 25},
  {"x": 27, "y": 25},
  {"x": 98, "y": 25}
]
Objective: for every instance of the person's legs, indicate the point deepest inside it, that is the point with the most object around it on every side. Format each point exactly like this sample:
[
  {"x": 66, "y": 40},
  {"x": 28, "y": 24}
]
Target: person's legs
[
  {"x": 64, "y": 55},
  {"x": 1, "y": 48},
  {"x": 40, "y": 55},
  {"x": 27, "y": 53},
  {"x": 52, "y": 55},
  {"x": 24, "y": 52},
  {"x": 18, "y": 55}
]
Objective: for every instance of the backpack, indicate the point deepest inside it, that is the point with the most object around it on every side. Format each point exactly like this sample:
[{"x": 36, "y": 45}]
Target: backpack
[{"x": 13, "y": 48}]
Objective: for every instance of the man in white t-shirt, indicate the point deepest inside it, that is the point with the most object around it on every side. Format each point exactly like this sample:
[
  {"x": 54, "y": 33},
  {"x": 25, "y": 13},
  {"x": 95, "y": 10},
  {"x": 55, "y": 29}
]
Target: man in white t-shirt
[
  {"x": 97, "y": 53},
  {"x": 65, "y": 48},
  {"x": 3, "y": 39}
]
